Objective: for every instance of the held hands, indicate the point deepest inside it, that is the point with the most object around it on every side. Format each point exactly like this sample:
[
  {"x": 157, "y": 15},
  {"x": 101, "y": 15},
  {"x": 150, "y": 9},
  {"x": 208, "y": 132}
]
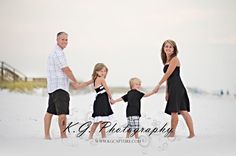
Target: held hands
[
  {"x": 112, "y": 101},
  {"x": 75, "y": 85}
]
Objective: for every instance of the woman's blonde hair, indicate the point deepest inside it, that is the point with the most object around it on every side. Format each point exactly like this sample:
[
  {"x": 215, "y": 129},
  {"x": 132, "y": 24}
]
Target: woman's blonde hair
[
  {"x": 163, "y": 54},
  {"x": 98, "y": 67}
]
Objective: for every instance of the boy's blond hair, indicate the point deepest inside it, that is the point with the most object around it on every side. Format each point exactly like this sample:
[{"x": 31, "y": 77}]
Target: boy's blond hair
[{"x": 133, "y": 80}]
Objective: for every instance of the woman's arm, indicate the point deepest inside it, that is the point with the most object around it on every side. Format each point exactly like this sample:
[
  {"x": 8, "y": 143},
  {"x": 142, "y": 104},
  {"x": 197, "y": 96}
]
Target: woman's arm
[
  {"x": 173, "y": 63},
  {"x": 166, "y": 88},
  {"x": 167, "y": 95}
]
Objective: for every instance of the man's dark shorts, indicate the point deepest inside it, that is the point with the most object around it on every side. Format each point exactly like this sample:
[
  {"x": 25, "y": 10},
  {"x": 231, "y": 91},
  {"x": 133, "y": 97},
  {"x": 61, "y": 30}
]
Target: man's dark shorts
[{"x": 58, "y": 102}]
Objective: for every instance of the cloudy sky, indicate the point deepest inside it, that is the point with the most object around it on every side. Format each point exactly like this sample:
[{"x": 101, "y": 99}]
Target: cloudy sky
[{"x": 126, "y": 35}]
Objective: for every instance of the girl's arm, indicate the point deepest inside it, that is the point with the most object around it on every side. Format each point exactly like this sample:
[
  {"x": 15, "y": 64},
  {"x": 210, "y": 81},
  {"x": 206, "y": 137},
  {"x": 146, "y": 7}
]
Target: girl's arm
[
  {"x": 85, "y": 84},
  {"x": 173, "y": 63},
  {"x": 103, "y": 82},
  {"x": 117, "y": 100}
]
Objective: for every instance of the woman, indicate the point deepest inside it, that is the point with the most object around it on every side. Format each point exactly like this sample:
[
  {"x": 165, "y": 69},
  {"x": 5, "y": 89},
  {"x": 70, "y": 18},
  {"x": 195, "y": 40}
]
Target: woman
[{"x": 176, "y": 94}]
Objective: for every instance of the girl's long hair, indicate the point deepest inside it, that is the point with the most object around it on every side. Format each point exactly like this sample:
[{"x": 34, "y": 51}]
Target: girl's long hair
[
  {"x": 98, "y": 67},
  {"x": 163, "y": 54}
]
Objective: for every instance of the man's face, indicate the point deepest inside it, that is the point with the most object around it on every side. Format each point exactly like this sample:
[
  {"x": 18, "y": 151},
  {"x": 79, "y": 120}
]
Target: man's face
[{"x": 62, "y": 40}]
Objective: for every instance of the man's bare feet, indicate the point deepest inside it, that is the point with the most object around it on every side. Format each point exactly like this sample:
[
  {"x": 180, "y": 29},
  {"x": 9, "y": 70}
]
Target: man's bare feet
[
  {"x": 47, "y": 137},
  {"x": 63, "y": 136}
]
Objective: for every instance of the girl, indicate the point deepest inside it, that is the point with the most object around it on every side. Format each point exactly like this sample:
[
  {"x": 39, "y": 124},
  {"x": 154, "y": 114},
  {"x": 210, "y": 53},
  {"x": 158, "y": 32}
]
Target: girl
[
  {"x": 176, "y": 94},
  {"x": 102, "y": 111}
]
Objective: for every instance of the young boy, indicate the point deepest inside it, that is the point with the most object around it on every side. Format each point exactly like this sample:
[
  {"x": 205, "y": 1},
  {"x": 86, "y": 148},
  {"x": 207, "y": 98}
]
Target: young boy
[{"x": 133, "y": 97}]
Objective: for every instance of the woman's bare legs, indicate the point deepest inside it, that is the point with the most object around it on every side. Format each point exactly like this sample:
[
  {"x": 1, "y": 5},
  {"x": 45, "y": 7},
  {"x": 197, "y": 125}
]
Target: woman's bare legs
[
  {"x": 189, "y": 123},
  {"x": 174, "y": 122}
]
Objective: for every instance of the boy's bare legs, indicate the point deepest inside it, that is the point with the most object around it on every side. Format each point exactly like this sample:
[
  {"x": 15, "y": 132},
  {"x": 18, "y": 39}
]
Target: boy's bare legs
[
  {"x": 47, "y": 124},
  {"x": 136, "y": 135},
  {"x": 174, "y": 122},
  {"x": 189, "y": 123},
  {"x": 62, "y": 125},
  {"x": 128, "y": 134},
  {"x": 92, "y": 130},
  {"x": 103, "y": 132}
]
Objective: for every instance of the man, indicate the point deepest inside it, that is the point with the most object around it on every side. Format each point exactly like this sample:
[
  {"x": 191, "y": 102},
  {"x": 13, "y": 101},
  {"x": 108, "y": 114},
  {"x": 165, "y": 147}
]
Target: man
[{"x": 58, "y": 78}]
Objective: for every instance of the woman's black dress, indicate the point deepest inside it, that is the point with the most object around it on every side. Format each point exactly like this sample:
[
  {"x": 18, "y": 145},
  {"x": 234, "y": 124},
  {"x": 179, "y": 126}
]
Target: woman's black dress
[{"x": 177, "y": 95}]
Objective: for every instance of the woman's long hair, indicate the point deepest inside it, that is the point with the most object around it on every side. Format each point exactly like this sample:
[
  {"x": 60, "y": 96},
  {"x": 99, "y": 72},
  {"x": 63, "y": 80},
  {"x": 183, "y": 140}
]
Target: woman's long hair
[{"x": 163, "y": 54}]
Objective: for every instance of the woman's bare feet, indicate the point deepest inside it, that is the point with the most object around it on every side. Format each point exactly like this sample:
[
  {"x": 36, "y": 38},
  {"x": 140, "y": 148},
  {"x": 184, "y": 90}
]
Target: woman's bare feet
[
  {"x": 90, "y": 138},
  {"x": 172, "y": 134}
]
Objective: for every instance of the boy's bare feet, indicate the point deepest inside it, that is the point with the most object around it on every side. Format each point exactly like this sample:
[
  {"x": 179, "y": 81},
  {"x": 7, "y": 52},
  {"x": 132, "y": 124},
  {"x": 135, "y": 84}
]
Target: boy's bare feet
[{"x": 63, "y": 136}]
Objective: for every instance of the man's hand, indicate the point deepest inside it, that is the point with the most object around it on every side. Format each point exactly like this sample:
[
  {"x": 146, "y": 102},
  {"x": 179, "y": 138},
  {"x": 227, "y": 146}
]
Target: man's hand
[{"x": 75, "y": 85}]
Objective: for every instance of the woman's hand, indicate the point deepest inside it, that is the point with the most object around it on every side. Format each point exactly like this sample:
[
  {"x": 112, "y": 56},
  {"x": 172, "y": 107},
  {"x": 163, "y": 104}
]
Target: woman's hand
[
  {"x": 156, "y": 89},
  {"x": 167, "y": 96}
]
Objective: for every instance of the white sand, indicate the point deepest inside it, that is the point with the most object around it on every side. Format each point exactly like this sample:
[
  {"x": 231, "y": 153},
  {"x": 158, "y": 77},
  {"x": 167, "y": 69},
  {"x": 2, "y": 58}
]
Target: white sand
[{"x": 21, "y": 127}]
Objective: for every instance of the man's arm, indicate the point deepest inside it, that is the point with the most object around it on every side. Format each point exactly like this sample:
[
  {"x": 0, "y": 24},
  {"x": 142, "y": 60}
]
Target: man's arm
[
  {"x": 71, "y": 76},
  {"x": 85, "y": 84}
]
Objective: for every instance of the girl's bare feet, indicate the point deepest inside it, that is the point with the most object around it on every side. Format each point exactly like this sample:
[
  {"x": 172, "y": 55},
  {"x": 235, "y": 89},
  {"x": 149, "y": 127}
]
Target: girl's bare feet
[{"x": 191, "y": 135}]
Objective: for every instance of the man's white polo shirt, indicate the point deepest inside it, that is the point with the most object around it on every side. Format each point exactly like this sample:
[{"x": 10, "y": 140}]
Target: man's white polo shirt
[{"x": 56, "y": 78}]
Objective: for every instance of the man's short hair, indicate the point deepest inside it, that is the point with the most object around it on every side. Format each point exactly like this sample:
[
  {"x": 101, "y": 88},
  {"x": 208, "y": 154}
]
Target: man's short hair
[{"x": 60, "y": 33}]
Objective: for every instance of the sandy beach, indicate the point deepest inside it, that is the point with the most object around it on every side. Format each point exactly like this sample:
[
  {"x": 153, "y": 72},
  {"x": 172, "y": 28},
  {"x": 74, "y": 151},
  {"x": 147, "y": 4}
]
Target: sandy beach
[{"x": 21, "y": 124}]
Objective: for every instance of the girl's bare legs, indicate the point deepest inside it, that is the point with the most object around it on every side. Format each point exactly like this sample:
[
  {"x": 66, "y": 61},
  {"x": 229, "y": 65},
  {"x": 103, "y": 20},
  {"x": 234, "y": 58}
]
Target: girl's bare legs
[
  {"x": 174, "y": 122},
  {"x": 103, "y": 132},
  {"x": 93, "y": 129},
  {"x": 189, "y": 123}
]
